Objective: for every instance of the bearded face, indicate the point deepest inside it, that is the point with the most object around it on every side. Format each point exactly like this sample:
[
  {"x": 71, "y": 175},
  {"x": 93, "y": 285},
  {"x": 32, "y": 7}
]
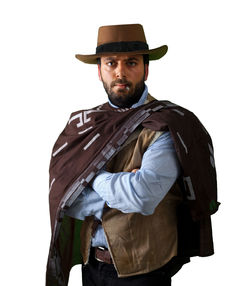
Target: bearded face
[
  {"x": 126, "y": 94},
  {"x": 123, "y": 79}
]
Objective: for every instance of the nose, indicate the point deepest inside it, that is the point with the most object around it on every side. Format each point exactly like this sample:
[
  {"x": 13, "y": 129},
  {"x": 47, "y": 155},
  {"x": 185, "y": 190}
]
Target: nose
[{"x": 121, "y": 70}]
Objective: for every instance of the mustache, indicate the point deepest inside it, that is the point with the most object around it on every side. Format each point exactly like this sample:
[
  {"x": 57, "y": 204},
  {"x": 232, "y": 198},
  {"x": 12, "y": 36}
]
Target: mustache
[{"x": 120, "y": 81}]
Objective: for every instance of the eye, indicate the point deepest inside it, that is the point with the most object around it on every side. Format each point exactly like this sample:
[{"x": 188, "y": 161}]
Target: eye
[
  {"x": 110, "y": 63},
  {"x": 131, "y": 63}
]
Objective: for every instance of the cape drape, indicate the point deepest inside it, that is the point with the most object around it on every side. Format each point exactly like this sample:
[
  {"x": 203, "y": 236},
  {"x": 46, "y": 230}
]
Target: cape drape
[{"x": 92, "y": 137}]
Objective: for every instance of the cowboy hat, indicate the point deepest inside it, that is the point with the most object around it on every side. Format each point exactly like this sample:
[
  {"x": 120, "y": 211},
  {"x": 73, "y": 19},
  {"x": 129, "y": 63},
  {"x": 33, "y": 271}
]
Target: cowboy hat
[{"x": 122, "y": 39}]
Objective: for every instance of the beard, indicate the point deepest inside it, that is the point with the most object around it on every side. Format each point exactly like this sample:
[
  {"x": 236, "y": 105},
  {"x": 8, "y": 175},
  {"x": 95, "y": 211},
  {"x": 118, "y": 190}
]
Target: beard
[{"x": 124, "y": 98}]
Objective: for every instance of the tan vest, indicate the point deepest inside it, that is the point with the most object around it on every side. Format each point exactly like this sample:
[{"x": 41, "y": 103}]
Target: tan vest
[{"x": 138, "y": 244}]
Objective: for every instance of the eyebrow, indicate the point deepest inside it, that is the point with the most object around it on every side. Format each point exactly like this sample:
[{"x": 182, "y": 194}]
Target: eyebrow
[
  {"x": 132, "y": 59},
  {"x": 109, "y": 59},
  {"x": 114, "y": 58}
]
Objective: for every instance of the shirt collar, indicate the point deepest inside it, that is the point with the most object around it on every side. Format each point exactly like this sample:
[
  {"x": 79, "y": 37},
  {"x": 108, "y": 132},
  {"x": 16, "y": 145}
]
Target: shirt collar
[{"x": 140, "y": 102}]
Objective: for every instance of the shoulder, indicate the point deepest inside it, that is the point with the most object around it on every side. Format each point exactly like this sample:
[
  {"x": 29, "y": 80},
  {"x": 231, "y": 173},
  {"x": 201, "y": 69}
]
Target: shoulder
[
  {"x": 172, "y": 109},
  {"x": 82, "y": 111},
  {"x": 178, "y": 115}
]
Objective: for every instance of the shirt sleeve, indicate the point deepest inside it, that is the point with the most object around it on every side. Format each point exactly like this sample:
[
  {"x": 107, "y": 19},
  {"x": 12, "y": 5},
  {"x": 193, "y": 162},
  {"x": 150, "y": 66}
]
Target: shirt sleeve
[
  {"x": 142, "y": 191},
  {"x": 87, "y": 203}
]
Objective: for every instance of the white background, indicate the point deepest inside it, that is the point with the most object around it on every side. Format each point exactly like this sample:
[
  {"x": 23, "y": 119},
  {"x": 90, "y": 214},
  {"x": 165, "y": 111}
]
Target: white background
[{"x": 205, "y": 70}]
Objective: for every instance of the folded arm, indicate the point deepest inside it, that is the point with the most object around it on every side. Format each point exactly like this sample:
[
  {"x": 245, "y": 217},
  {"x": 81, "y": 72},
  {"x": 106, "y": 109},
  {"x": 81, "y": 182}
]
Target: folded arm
[{"x": 142, "y": 190}]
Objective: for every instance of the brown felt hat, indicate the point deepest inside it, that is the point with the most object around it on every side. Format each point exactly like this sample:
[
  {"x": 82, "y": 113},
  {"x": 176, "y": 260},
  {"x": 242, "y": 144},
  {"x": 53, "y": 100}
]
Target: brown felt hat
[{"x": 122, "y": 39}]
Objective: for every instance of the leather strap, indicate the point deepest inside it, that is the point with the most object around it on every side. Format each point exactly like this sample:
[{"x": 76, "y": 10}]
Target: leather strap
[{"x": 103, "y": 255}]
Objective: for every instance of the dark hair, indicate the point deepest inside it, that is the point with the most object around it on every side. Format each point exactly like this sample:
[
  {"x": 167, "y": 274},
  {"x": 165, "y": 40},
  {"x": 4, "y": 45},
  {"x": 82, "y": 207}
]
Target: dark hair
[{"x": 145, "y": 60}]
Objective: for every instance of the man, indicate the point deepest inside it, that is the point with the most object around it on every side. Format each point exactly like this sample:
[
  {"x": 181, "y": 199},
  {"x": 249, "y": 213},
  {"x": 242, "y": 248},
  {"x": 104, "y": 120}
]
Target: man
[{"x": 132, "y": 181}]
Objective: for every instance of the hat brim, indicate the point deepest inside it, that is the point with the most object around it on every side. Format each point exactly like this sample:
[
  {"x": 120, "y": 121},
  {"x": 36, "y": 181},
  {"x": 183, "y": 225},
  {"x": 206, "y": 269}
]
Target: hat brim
[{"x": 154, "y": 54}]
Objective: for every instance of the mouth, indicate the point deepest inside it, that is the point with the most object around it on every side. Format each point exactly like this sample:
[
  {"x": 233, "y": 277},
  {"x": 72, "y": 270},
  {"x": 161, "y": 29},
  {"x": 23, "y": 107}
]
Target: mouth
[{"x": 122, "y": 86}]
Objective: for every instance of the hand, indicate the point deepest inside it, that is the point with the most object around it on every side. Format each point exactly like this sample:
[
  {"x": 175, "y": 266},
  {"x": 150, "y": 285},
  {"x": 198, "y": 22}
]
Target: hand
[{"x": 135, "y": 170}]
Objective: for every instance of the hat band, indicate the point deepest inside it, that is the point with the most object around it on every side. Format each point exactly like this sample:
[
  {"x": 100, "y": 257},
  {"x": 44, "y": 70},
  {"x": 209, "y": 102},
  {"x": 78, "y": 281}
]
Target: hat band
[{"x": 118, "y": 47}]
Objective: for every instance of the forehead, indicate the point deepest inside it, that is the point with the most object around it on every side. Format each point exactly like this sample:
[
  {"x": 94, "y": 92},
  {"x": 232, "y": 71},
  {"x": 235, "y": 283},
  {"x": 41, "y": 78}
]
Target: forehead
[{"x": 122, "y": 57}]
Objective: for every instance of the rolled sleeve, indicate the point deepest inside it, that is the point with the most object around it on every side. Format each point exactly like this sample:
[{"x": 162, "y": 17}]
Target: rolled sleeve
[{"x": 87, "y": 203}]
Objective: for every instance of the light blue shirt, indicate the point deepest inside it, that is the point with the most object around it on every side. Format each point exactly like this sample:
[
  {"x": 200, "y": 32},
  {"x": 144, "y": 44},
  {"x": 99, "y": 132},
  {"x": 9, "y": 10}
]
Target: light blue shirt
[{"x": 128, "y": 192}]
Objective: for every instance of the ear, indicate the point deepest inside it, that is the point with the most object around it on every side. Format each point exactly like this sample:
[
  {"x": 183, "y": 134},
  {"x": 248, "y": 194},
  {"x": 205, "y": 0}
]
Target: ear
[
  {"x": 146, "y": 72},
  {"x": 99, "y": 72}
]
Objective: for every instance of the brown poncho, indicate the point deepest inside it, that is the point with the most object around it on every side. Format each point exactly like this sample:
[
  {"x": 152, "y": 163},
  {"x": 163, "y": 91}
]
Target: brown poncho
[{"x": 91, "y": 138}]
